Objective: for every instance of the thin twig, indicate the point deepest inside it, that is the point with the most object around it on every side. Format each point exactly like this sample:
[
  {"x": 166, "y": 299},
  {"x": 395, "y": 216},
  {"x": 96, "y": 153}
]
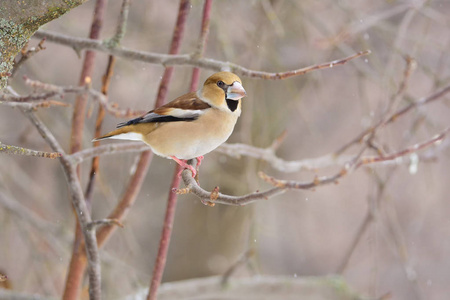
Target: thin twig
[
  {"x": 111, "y": 108},
  {"x": 395, "y": 156},
  {"x": 26, "y": 54},
  {"x": 241, "y": 261},
  {"x": 425, "y": 100},
  {"x": 268, "y": 154},
  {"x": 121, "y": 25},
  {"x": 32, "y": 97},
  {"x": 8, "y": 149},
  {"x": 107, "y": 149},
  {"x": 98, "y": 128},
  {"x": 392, "y": 222},
  {"x": 28, "y": 215},
  {"x": 360, "y": 232},
  {"x": 36, "y": 100},
  {"x": 437, "y": 139},
  {"x": 201, "y": 44},
  {"x": 184, "y": 59}
]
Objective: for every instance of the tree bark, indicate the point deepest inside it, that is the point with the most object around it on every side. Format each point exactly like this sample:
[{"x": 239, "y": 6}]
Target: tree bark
[{"x": 19, "y": 20}]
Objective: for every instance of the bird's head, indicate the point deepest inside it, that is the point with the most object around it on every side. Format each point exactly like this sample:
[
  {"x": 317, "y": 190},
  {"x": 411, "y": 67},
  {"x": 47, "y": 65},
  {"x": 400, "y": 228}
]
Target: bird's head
[{"x": 223, "y": 90}]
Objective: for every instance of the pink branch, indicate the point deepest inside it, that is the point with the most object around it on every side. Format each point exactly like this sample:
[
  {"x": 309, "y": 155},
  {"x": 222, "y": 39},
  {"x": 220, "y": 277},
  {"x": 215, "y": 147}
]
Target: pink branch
[{"x": 161, "y": 258}]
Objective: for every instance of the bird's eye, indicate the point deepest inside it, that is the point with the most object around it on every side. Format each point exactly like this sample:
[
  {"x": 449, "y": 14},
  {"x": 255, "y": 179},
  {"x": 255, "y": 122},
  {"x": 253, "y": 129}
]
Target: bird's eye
[{"x": 220, "y": 84}]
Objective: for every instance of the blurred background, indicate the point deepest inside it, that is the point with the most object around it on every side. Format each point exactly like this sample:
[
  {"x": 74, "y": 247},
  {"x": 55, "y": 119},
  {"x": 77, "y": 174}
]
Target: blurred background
[{"x": 404, "y": 249}]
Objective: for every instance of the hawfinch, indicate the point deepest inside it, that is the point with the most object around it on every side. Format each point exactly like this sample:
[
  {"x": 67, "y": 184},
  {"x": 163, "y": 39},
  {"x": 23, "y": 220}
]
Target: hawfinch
[{"x": 191, "y": 125}]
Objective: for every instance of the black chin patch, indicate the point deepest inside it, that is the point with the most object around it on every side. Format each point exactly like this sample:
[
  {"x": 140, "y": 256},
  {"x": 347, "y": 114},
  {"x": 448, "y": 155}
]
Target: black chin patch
[{"x": 232, "y": 104}]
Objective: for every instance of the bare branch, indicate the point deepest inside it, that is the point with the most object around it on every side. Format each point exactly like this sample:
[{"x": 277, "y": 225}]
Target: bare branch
[
  {"x": 121, "y": 25},
  {"x": 98, "y": 128},
  {"x": 77, "y": 201},
  {"x": 8, "y": 149},
  {"x": 413, "y": 149},
  {"x": 268, "y": 154},
  {"x": 183, "y": 59},
  {"x": 356, "y": 162},
  {"x": 27, "y": 215},
  {"x": 436, "y": 95},
  {"x": 193, "y": 187},
  {"x": 26, "y": 54},
  {"x": 107, "y": 149},
  {"x": 38, "y": 100},
  {"x": 242, "y": 260}
]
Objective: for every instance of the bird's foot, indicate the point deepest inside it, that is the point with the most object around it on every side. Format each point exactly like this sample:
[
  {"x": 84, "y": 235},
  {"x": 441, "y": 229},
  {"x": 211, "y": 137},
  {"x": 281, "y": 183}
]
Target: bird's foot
[
  {"x": 185, "y": 165},
  {"x": 197, "y": 167}
]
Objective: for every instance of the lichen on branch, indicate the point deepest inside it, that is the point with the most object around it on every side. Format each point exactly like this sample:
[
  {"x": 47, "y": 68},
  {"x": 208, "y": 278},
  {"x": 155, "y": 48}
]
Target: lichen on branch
[{"x": 19, "y": 20}]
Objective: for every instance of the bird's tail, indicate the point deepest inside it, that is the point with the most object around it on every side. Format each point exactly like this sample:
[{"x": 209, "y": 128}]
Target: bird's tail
[{"x": 123, "y": 133}]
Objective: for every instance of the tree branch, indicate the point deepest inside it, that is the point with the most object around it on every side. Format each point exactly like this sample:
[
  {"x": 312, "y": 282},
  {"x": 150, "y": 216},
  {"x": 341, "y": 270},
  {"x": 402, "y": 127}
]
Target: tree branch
[
  {"x": 79, "y": 205},
  {"x": 425, "y": 100},
  {"x": 75, "y": 271},
  {"x": 8, "y": 149},
  {"x": 36, "y": 100},
  {"x": 210, "y": 198},
  {"x": 184, "y": 59},
  {"x": 18, "y": 21}
]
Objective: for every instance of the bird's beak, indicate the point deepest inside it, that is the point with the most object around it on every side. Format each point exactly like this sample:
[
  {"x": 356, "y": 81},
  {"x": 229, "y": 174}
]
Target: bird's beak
[{"x": 235, "y": 91}]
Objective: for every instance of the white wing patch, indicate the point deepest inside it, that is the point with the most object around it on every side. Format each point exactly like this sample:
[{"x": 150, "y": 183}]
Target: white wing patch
[
  {"x": 186, "y": 113},
  {"x": 131, "y": 136}
]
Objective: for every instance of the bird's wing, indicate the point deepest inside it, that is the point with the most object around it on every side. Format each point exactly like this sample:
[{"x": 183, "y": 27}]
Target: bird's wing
[{"x": 185, "y": 108}]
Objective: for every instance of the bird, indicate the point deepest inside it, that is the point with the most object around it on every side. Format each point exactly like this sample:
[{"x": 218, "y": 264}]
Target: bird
[{"x": 191, "y": 125}]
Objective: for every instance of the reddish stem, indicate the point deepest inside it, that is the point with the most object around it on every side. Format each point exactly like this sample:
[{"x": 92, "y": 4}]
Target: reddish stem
[
  {"x": 161, "y": 258},
  {"x": 174, "y": 49},
  {"x": 202, "y": 42},
  {"x": 165, "y": 237}
]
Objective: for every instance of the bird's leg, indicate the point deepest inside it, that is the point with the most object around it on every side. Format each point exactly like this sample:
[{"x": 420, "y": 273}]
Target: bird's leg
[
  {"x": 199, "y": 161},
  {"x": 183, "y": 163},
  {"x": 197, "y": 167}
]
